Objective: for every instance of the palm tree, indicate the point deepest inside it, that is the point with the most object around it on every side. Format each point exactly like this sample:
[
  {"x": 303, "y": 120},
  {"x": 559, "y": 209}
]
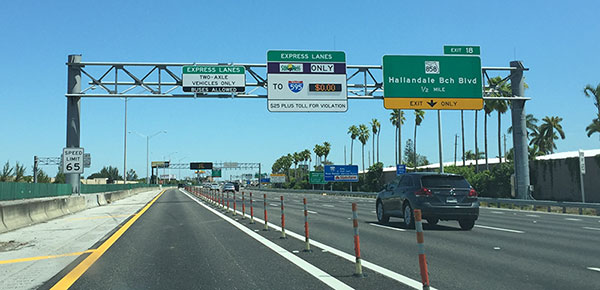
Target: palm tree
[
  {"x": 419, "y": 116},
  {"x": 326, "y": 148},
  {"x": 307, "y": 156},
  {"x": 318, "y": 152},
  {"x": 548, "y": 133},
  {"x": 590, "y": 91},
  {"x": 353, "y": 131},
  {"x": 296, "y": 159},
  {"x": 594, "y": 127},
  {"x": 397, "y": 118},
  {"x": 375, "y": 127},
  {"x": 378, "y": 132},
  {"x": 501, "y": 89},
  {"x": 363, "y": 137},
  {"x": 530, "y": 124},
  {"x": 472, "y": 156}
]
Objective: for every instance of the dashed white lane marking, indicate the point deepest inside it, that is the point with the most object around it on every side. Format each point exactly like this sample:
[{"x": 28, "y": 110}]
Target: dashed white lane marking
[
  {"x": 273, "y": 204},
  {"x": 304, "y": 265},
  {"x": 386, "y": 227},
  {"x": 594, "y": 269},
  {"x": 310, "y": 211},
  {"x": 497, "y": 212},
  {"x": 572, "y": 219},
  {"x": 590, "y": 228},
  {"x": 327, "y": 205},
  {"x": 500, "y": 229},
  {"x": 532, "y": 215}
]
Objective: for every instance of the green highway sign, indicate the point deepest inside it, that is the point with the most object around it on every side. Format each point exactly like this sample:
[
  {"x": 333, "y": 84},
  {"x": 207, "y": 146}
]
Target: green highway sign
[
  {"x": 213, "y": 79},
  {"x": 216, "y": 172},
  {"x": 316, "y": 177},
  {"x": 432, "y": 82},
  {"x": 462, "y": 49}
]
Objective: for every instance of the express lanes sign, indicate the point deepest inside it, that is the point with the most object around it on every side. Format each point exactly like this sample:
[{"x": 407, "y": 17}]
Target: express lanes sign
[
  {"x": 214, "y": 79},
  {"x": 306, "y": 81}
]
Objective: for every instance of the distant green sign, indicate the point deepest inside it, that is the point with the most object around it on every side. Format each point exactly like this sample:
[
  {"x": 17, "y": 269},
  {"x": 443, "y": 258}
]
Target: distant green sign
[
  {"x": 216, "y": 172},
  {"x": 316, "y": 177},
  {"x": 462, "y": 49}
]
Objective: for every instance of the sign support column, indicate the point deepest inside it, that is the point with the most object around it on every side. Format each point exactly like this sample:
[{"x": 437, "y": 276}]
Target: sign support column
[
  {"x": 581, "y": 173},
  {"x": 440, "y": 140},
  {"x": 73, "y": 114},
  {"x": 519, "y": 131}
]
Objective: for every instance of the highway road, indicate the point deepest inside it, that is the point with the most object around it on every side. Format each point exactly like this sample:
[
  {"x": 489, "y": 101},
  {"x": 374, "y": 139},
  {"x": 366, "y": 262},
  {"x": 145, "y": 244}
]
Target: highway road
[{"x": 178, "y": 241}]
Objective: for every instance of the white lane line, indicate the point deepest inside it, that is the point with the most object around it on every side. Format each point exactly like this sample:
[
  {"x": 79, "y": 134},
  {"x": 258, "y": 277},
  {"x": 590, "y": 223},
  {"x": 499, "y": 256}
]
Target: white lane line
[
  {"x": 310, "y": 211},
  {"x": 366, "y": 264},
  {"x": 532, "y": 215},
  {"x": 572, "y": 219},
  {"x": 500, "y": 229},
  {"x": 386, "y": 227},
  {"x": 590, "y": 228},
  {"x": 594, "y": 269},
  {"x": 373, "y": 211},
  {"x": 309, "y": 268},
  {"x": 497, "y": 212},
  {"x": 327, "y": 205},
  {"x": 273, "y": 204}
]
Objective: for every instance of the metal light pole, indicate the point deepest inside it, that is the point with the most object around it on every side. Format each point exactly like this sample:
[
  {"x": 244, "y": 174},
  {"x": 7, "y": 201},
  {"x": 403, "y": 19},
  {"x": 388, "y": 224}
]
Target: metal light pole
[
  {"x": 440, "y": 140},
  {"x": 148, "y": 151},
  {"x": 125, "y": 146}
]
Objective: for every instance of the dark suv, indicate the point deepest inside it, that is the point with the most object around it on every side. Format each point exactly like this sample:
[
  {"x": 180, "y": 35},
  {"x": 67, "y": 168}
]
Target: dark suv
[{"x": 438, "y": 196}]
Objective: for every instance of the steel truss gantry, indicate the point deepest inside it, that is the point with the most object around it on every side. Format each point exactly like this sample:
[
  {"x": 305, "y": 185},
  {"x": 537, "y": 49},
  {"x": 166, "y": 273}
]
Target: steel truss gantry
[{"x": 163, "y": 80}]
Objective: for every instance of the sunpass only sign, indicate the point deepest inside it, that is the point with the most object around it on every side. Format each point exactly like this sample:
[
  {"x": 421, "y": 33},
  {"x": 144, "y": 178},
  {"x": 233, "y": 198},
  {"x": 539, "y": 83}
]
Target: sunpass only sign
[
  {"x": 306, "y": 81},
  {"x": 214, "y": 79}
]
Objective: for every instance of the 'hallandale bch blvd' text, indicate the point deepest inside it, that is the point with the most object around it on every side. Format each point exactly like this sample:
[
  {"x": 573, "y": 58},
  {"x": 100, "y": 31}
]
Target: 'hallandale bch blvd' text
[{"x": 432, "y": 80}]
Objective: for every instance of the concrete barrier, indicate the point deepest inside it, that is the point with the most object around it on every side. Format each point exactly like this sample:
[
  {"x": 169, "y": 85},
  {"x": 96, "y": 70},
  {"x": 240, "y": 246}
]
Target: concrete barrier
[{"x": 18, "y": 214}]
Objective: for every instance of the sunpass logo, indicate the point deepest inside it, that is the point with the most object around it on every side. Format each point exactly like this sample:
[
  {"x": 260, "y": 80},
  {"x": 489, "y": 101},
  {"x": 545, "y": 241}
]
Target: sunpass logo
[
  {"x": 290, "y": 67},
  {"x": 295, "y": 86}
]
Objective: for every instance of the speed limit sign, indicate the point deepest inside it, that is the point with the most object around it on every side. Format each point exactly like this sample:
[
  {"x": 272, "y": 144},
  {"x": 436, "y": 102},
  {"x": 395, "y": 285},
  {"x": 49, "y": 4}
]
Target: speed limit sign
[{"x": 72, "y": 161}]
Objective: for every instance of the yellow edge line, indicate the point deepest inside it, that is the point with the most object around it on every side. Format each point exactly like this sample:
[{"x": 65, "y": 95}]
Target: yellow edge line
[
  {"x": 80, "y": 269},
  {"x": 45, "y": 257}
]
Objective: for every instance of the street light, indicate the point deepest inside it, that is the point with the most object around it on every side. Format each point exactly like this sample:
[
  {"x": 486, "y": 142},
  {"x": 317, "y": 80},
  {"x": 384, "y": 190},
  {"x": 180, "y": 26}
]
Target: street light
[
  {"x": 148, "y": 150},
  {"x": 179, "y": 174}
]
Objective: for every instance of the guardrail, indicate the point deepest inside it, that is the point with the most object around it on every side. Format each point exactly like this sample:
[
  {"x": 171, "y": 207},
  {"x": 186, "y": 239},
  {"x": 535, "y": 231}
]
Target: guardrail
[{"x": 542, "y": 203}]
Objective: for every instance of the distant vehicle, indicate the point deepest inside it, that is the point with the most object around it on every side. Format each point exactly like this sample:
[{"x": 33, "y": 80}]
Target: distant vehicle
[
  {"x": 439, "y": 196},
  {"x": 229, "y": 187},
  {"x": 181, "y": 185},
  {"x": 237, "y": 186},
  {"x": 214, "y": 186}
]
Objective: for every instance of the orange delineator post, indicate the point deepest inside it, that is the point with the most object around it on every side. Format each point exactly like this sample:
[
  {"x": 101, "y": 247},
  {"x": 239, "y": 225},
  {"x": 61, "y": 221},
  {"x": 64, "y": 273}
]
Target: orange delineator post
[
  {"x": 265, "y": 207},
  {"x": 282, "y": 220},
  {"x": 251, "y": 209},
  {"x": 422, "y": 258},
  {"x": 243, "y": 207},
  {"x": 234, "y": 203},
  {"x": 358, "y": 270},
  {"x": 306, "y": 240}
]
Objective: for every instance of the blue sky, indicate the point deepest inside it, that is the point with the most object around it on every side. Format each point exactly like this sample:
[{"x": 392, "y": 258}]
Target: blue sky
[{"x": 557, "y": 40}]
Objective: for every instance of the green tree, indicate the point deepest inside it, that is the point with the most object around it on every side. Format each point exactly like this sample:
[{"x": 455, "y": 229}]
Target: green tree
[
  {"x": 487, "y": 109},
  {"x": 131, "y": 175},
  {"x": 110, "y": 172},
  {"x": 530, "y": 124},
  {"x": 6, "y": 172},
  {"x": 326, "y": 149},
  {"x": 549, "y": 131},
  {"x": 60, "y": 177},
  {"x": 375, "y": 125},
  {"x": 419, "y": 116},
  {"x": 373, "y": 181},
  {"x": 42, "y": 177},
  {"x": 594, "y": 127},
  {"x": 363, "y": 137},
  {"x": 410, "y": 158},
  {"x": 594, "y": 93},
  {"x": 354, "y": 132},
  {"x": 470, "y": 155},
  {"x": 19, "y": 172},
  {"x": 397, "y": 119}
]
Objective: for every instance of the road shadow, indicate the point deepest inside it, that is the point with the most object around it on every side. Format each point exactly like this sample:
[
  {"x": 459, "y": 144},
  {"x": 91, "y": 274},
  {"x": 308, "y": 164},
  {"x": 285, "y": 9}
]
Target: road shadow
[{"x": 426, "y": 226}]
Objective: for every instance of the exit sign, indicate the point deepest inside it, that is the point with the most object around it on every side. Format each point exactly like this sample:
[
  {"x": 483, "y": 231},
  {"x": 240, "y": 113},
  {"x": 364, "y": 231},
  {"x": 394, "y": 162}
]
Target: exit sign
[{"x": 462, "y": 49}]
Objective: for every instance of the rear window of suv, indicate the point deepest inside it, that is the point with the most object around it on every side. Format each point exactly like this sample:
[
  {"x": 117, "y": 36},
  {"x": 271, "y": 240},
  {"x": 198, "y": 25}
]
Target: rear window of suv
[{"x": 444, "y": 181}]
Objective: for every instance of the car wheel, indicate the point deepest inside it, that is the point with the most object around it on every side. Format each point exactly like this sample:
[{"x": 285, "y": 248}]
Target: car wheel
[
  {"x": 466, "y": 225},
  {"x": 381, "y": 216},
  {"x": 409, "y": 218},
  {"x": 433, "y": 221}
]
